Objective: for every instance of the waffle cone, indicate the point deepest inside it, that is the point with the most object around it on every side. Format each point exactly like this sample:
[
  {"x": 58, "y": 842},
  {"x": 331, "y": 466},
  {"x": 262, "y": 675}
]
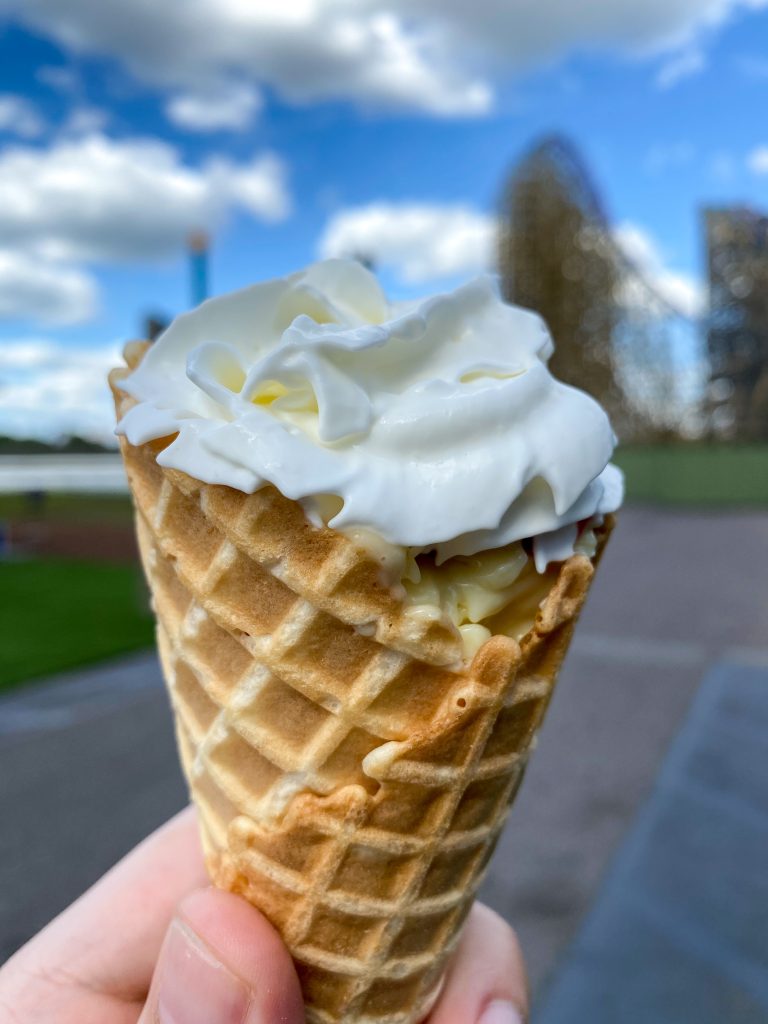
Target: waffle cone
[{"x": 351, "y": 773}]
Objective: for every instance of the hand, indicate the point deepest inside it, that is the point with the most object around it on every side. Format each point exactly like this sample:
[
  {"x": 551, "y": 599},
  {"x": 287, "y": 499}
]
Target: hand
[{"x": 151, "y": 943}]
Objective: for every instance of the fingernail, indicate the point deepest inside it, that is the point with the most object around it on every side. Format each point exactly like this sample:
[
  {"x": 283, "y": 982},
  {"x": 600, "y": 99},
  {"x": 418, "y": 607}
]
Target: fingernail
[
  {"x": 499, "y": 1011},
  {"x": 194, "y": 987}
]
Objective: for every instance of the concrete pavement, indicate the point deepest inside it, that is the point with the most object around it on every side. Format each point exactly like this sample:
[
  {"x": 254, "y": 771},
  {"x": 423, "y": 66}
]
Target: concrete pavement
[
  {"x": 676, "y": 591},
  {"x": 678, "y": 932},
  {"x": 81, "y": 784}
]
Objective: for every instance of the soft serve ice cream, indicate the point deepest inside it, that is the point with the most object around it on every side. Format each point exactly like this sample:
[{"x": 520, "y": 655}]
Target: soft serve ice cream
[{"x": 432, "y": 428}]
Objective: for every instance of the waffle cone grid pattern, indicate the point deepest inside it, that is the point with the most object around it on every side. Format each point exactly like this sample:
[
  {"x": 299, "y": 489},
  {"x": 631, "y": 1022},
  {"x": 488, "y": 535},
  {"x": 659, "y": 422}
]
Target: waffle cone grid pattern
[{"x": 350, "y": 789}]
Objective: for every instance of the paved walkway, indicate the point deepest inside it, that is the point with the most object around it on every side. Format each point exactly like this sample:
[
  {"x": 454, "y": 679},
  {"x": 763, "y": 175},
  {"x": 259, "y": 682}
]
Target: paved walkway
[
  {"x": 87, "y": 776},
  {"x": 676, "y": 592},
  {"x": 680, "y": 929},
  {"x": 88, "y": 768}
]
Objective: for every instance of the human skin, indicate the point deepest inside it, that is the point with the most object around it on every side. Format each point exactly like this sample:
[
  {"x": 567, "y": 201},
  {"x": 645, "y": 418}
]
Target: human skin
[{"x": 153, "y": 943}]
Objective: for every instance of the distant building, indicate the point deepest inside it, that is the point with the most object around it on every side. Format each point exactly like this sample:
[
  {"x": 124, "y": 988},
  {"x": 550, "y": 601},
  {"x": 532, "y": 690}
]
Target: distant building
[{"x": 737, "y": 337}]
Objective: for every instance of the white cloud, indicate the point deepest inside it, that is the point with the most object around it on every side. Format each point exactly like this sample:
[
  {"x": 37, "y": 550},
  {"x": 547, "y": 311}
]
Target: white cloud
[
  {"x": 49, "y": 389},
  {"x": 230, "y": 109},
  {"x": 18, "y": 116},
  {"x": 306, "y": 49},
  {"x": 441, "y": 57},
  {"x": 97, "y": 200},
  {"x": 59, "y": 77},
  {"x": 85, "y": 121},
  {"x": 34, "y": 289},
  {"x": 258, "y": 187},
  {"x": 679, "y": 67},
  {"x": 106, "y": 200},
  {"x": 757, "y": 161},
  {"x": 420, "y": 242},
  {"x": 682, "y": 291}
]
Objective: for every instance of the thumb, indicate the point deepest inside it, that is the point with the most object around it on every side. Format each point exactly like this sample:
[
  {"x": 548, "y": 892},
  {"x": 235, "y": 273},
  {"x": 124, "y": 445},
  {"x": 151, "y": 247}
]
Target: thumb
[
  {"x": 222, "y": 963},
  {"x": 486, "y": 982}
]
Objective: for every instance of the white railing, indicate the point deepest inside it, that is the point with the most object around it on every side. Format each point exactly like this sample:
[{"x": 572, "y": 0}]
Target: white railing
[{"x": 94, "y": 474}]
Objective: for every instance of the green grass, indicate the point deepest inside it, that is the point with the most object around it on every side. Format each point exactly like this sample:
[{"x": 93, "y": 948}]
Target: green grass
[
  {"x": 701, "y": 474},
  {"x": 96, "y": 508},
  {"x": 58, "y": 614}
]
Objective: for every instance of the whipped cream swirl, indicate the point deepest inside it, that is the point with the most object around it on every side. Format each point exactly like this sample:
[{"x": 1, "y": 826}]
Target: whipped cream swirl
[{"x": 436, "y": 423}]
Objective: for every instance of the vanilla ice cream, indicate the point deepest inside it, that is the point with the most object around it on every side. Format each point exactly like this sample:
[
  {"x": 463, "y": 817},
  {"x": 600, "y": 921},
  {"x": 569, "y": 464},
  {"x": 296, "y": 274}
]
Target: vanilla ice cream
[{"x": 435, "y": 425}]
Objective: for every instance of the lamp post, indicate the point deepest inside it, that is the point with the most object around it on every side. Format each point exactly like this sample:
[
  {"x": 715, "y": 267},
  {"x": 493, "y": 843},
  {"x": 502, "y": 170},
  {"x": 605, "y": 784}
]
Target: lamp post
[{"x": 198, "y": 267}]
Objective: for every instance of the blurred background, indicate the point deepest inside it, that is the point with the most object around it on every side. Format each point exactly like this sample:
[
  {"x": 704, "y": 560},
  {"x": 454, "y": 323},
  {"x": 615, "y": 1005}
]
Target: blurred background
[{"x": 610, "y": 161}]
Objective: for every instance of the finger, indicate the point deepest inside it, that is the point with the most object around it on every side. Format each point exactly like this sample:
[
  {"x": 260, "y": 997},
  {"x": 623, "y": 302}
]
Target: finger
[
  {"x": 223, "y": 963},
  {"x": 109, "y": 939},
  {"x": 486, "y": 983}
]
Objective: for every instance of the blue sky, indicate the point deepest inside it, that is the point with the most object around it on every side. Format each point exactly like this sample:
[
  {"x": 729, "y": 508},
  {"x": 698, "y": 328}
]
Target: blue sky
[{"x": 321, "y": 126}]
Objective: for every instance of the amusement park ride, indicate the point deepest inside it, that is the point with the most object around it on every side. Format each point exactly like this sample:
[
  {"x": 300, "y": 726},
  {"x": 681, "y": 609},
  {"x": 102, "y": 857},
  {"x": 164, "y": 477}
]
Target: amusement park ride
[{"x": 661, "y": 373}]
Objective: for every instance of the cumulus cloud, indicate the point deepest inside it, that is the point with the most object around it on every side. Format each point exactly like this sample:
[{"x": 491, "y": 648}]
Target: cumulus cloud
[
  {"x": 49, "y": 389},
  {"x": 107, "y": 200},
  {"x": 33, "y": 289},
  {"x": 231, "y": 109},
  {"x": 431, "y": 55},
  {"x": 18, "y": 116},
  {"x": 59, "y": 77},
  {"x": 682, "y": 291},
  {"x": 423, "y": 243},
  {"x": 85, "y": 120},
  {"x": 679, "y": 67},
  {"x": 420, "y": 242},
  {"x": 306, "y": 49},
  {"x": 94, "y": 200},
  {"x": 757, "y": 161}
]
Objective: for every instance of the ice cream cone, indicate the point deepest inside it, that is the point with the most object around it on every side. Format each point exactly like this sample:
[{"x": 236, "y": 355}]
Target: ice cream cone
[{"x": 351, "y": 773}]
